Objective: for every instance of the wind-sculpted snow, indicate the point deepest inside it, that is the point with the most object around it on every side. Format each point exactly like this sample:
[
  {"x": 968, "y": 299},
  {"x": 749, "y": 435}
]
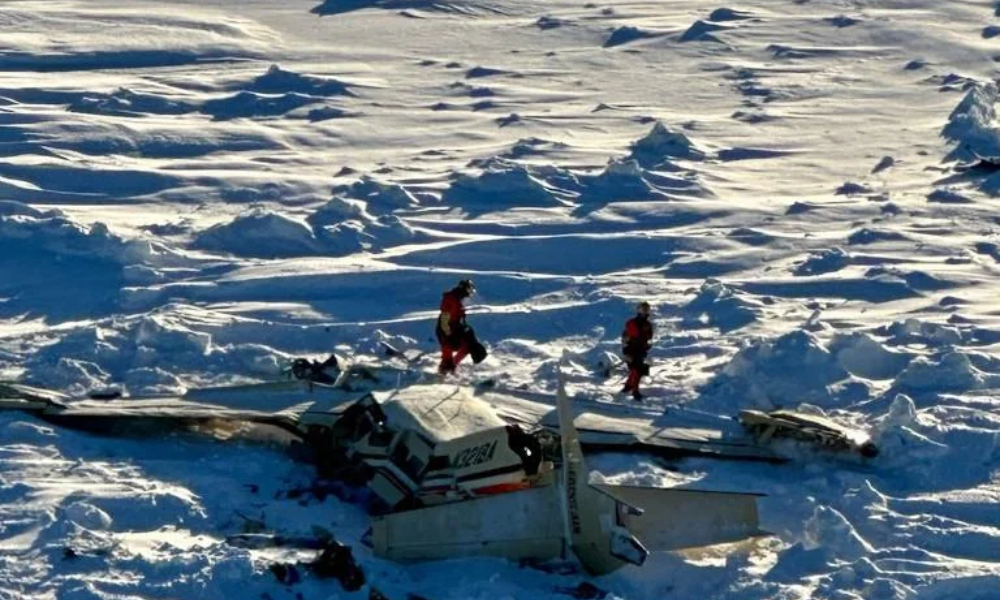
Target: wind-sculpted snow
[
  {"x": 721, "y": 15},
  {"x": 339, "y": 228},
  {"x": 50, "y": 231},
  {"x": 662, "y": 144},
  {"x": 263, "y": 234},
  {"x": 470, "y": 8},
  {"x": 196, "y": 193},
  {"x": 502, "y": 182},
  {"x": 704, "y": 31},
  {"x": 850, "y": 368},
  {"x": 759, "y": 373},
  {"x": 125, "y": 102},
  {"x": 276, "y": 93},
  {"x": 379, "y": 196},
  {"x": 719, "y": 306},
  {"x": 973, "y": 125},
  {"x": 249, "y": 104},
  {"x": 627, "y": 34},
  {"x": 22, "y": 181},
  {"x": 142, "y": 355},
  {"x": 975, "y": 131},
  {"x": 152, "y": 40},
  {"x": 277, "y": 81}
]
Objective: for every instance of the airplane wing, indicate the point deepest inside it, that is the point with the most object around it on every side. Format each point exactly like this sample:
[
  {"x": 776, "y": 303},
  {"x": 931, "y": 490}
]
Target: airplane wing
[
  {"x": 613, "y": 427},
  {"x": 283, "y": 403}
]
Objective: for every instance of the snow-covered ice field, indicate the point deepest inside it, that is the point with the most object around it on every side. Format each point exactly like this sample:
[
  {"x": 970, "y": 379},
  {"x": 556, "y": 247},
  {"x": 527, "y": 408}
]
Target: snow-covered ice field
[{"x": 194, "y": 192}]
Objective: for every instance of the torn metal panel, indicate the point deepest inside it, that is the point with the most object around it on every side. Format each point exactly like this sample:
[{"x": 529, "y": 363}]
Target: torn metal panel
[{"x": 807, "y": 427}]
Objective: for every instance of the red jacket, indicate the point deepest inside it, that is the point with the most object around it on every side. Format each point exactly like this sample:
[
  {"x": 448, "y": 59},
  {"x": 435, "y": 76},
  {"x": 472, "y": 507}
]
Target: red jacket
[
  {"x": 638, "y": 336},
  {"x": 451, "y": 304}
]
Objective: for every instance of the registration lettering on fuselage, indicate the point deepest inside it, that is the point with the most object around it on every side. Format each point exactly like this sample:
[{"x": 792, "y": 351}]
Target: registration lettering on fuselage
[{"x": 476, "y": 455}]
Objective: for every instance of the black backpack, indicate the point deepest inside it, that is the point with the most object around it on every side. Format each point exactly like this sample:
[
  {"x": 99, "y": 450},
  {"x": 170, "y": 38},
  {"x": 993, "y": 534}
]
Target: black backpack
[{"x": 476, "y": 350}]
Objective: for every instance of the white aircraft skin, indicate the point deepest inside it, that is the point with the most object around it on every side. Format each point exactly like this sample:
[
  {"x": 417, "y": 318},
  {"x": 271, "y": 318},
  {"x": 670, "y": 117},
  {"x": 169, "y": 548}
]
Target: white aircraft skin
[
  {"x": 570, "y": 518},
  {"x": 551, "y": 515}
]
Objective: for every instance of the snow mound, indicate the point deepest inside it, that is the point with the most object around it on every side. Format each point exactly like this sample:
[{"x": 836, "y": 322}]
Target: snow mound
[
  {"x": 126, "y": 103},
  {"x": 260, "y": 234},
  {"x": 326, "y": 113},
  {"x": 787, "y": 371},
  {"x": 166, "y": 335},
  {"x": 867, "y": 235},
  {"x": 249, "y": 104},
  {"x": 661, "y": 144},
  {"x": 915, "y": 331},
  {"x": 841, "y": 21},
  {"x": 829, "y": 539},
  {"x": 884, "y": 163},
  {"x": 152, "y": 380},
  {"x": 948, "y": 196},
  {"x": 626, "y": 180},
  {"x": 337, "y": 210},
  {"x": 501, "y": 184},
  {"x": 702, "y": 31},
  {"x": 724, "y": 14},
  {"x": 549, "y": 22},
  {"x": 902, "y": 413},
  {"x": 825, "y": 261},
  {"x": 87, "y": 516},
  {"x": 279, "y": 81},
  {"x": 342, "y": 226},
  {"x": 379, "y": 197},
  {"x": 830, "y": 530},
  {"x": 531, "y": 147},
  {"x": 951, "y": 372},
  {"x": 626, "y": 34},
  {"x": 71, "y": 375},
  {"x": 480, "y": 71},
  {"x": 144, "y": 354},
  {"x": 862, "y": 355},
  {"x": 31, "y": 231},
  {"x": 851, "y": 188},
  {"x": 718, "y": 305},
  {"x": 973, "y": 125}
]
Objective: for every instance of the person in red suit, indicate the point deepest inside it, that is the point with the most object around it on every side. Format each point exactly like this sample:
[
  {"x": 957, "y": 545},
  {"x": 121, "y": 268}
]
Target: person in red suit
[
  {"x": 637, "y": 339},
  {"x": 452, "y": 331}
]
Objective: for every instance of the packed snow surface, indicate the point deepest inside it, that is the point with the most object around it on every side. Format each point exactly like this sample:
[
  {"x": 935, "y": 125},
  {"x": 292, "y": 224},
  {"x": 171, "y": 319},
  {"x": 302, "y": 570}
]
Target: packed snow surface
[{"x": 194, "y": 192}]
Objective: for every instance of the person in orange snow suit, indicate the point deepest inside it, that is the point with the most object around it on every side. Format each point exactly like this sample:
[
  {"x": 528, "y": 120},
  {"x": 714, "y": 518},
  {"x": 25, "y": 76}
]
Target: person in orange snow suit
[
  {"x": 637, "y": 339},
  {"x": 451, "y": 327}
]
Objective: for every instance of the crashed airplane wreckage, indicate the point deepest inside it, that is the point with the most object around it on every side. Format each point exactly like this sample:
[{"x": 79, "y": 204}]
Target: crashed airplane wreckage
[{"x": 492, "y": 474}]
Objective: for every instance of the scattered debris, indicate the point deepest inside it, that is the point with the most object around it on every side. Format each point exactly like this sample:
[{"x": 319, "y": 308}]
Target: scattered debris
[
  {"x": 337, "y": 561},
  {"x": 808, "y": 428},
  {"x": 584, "y": 591}
]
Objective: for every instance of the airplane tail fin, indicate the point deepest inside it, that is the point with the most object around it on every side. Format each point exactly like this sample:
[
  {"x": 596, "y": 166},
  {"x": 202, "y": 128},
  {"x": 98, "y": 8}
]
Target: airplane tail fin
[{"x": 592, "y": 519}]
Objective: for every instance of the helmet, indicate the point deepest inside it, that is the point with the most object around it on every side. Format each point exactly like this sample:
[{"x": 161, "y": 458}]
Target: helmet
[
  {"x": 643, "y": 308},
  {"x": 467, "y": 287}
]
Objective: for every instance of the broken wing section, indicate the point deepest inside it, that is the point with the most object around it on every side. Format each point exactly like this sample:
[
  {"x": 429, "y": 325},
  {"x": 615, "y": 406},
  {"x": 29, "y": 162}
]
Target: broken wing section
[{"x": 283, "y": 403}]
